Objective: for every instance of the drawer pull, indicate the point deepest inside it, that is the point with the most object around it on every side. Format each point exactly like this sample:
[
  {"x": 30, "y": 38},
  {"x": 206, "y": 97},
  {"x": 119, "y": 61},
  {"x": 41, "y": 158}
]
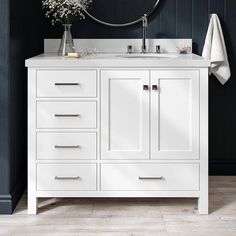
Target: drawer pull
[
  {"x": 72, "y": 147},
  {"x": 66, "y": 115},
  {"x": 66, "y": 84},
  {"x": 66, "y": 177},
  {"x": 150, "y": 177}
]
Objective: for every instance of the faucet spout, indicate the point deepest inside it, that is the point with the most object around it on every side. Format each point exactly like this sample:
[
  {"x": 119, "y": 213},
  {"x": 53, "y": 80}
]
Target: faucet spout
[{"x": 145, "y": 26}]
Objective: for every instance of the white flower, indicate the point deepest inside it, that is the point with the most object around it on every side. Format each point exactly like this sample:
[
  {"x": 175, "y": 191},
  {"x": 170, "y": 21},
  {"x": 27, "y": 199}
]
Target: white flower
[{"x": 65, "y": 11}]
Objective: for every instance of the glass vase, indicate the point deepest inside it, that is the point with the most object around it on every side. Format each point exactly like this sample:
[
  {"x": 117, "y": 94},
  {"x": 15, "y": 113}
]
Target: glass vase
[{"x": 67, "y": 42}]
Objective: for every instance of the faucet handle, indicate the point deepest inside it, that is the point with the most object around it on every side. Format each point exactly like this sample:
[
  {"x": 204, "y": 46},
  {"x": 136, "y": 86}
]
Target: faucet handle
[
  {"x": 158, "y": 49},
  {"x": 145, "y": 21},
  {"x": 129, "y": 49}
]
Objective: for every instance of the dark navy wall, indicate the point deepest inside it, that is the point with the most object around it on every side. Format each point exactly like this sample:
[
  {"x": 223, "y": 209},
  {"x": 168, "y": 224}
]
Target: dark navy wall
[
  {"x": 189, "y": 19},
  {"x": 18, "y": 40},
  {"x": 4, "y": 123}
]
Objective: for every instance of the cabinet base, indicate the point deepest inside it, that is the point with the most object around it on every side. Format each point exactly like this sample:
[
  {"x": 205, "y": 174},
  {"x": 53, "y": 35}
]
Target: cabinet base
[{"x": 202, "y": 202}]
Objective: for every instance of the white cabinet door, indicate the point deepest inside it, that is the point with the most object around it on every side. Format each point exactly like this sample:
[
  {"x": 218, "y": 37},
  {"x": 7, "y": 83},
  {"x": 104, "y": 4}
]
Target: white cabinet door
[
  {"x": 175, "y": 114},
  {"x": 124, "y": 114}
]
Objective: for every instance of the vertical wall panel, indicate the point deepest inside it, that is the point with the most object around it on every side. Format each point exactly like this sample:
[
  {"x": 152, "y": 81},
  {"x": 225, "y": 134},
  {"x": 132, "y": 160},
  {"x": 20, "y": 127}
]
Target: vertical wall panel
[
  {"x": 218, "y": 7},
  {"x": 229, "y": 25},
  {"x": 5, "y": 202},
  {"x": 168, "y": 19},
  {"x": 18, "y": 40},
  {"x": 200, "y": 24},
  {"x": 184, "y": 18},
  {"x": 230, "y": 28},
  {"x": 154, "y": 24},
  {"x": 218, "y": 124}
]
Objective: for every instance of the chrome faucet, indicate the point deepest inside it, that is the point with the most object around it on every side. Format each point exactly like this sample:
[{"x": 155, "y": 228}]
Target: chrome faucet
[{"x": 145, "y": 26}]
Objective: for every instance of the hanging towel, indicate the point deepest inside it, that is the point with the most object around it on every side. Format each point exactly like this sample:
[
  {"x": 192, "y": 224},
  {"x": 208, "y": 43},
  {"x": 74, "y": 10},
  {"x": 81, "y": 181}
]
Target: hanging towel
[{"x": 215, "y": 50}]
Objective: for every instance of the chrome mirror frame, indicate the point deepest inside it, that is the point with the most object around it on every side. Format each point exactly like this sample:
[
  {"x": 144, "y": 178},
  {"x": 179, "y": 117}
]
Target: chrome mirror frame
[{"x": 124, "y": 24}]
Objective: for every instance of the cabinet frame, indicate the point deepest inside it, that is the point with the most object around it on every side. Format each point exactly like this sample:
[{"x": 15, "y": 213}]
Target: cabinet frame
[{"x": 33, "y": 194}]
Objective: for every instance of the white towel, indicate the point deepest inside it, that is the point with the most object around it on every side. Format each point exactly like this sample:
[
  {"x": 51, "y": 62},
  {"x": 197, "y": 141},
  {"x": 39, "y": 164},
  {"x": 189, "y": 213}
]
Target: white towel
[{"x": 215, "y": 51}]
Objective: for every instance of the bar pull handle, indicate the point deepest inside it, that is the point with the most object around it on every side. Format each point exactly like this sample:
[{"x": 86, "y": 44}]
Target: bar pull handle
[
  {"x": 66, "y": 115},
  {"x": 64, "y": 147},
  {"x": 66, "y": 84},
  {"x": 66, "y": 177},
  {"x": 150, "y": 177}
]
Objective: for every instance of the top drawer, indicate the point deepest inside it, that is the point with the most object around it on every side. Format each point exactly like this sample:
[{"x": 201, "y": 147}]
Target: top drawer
[{"x": 66, "y": 83}]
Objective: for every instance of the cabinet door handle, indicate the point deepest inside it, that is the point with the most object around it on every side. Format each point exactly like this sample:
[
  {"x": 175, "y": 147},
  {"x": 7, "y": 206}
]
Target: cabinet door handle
[
  {"x": 66, "y": 115},
  {"x": 66, "y": 177},
  {"x": 145, "y": 87},
  {"x": 66, "y": 84},
  {"x": 69, "y": 147},
  {"x": 150, "y": 177},
  {"x": 154, "y": 87}
]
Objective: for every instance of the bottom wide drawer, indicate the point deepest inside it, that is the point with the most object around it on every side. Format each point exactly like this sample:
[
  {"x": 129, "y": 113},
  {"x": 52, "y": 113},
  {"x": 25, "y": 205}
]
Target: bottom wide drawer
[
  {"x": 153, "y": 177},
  {"x": 66, "y": 177}
]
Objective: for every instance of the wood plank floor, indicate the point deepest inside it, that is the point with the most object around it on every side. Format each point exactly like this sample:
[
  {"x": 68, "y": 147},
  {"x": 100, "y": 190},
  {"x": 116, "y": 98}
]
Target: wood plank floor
[{"x": 128, "y": 217}]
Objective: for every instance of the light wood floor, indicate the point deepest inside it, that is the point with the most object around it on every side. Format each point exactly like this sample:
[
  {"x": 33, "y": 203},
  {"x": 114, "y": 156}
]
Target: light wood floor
[{"x": 128, "y": 217}]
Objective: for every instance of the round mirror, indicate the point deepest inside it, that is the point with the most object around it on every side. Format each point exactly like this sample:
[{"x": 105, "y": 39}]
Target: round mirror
[{"x": 119, "y": 13}]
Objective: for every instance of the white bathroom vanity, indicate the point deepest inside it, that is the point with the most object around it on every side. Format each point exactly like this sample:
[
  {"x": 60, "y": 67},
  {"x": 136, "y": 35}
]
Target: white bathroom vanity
[{"x": 115, "y": 125}]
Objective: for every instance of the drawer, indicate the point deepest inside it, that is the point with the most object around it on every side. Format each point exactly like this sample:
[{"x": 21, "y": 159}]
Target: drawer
[
  {"x": 66, "y": 115},
  {"x": 169, "y": 177},
  {"x": 66, "y": 177},
  {"x": 66, "y": 146},
  {"x": 66, "y": 83}
]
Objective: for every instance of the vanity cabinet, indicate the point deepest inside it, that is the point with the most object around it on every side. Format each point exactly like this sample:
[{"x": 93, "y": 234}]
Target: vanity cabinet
[{"x": 105, "y": 131}]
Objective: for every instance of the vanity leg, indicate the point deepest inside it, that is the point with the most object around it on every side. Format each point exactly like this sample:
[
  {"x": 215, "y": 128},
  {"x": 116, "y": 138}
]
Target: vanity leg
[
  {"x": 32, "y": 204},
  {"x": 203, "y": 190},
  {"x": 203, "y": 200},
  {"x": 32, "y": 172},
  {"x": 203, "y": 205}
]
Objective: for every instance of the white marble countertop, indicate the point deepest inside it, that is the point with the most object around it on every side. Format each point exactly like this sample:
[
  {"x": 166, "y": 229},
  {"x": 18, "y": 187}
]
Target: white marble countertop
[{"x": 106, "y": 60}]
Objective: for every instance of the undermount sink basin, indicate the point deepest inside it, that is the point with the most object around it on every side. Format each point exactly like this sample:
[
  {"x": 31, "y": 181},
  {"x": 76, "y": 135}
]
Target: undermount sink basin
[{"x": 148, "y": 55}]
